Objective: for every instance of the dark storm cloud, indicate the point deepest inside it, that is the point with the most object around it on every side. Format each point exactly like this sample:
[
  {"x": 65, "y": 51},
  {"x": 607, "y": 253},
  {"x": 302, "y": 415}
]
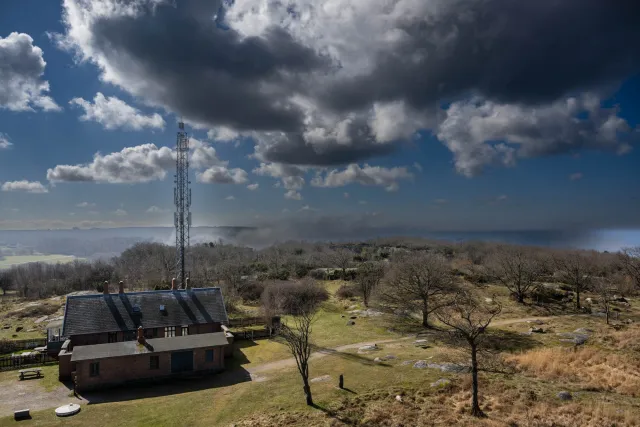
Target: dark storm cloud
[
  {"x": 209, "y": 74},
  {"x": 507, "y": 51}
]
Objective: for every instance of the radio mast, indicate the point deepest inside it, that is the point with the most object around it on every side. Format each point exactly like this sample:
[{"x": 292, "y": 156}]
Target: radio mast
[{"x": 182, "y": 197}]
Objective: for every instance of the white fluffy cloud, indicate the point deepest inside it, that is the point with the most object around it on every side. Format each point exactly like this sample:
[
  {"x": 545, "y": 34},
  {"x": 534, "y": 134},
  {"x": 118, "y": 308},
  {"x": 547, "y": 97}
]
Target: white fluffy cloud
[
  {"x": 86, "y": 205},
  {"x": 253, "y": 187},
  {"x": 222, "y": 175},
  {"x": 156, "y": 210},
  {"x": 471, "y": 128},
  {"x": 366, "y": 175},
  {"x": 26, "y": 186},
  {"x": 293, "y": 195},
  {"x": 113, "y": 113},
  {"x": 4, "y": 142},
  {"x": 22, "y": 87},
  {"x": 142, "y": 163}
]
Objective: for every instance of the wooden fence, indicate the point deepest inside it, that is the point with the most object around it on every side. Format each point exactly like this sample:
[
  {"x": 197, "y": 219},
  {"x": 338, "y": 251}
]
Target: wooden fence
[
  {"x": 19, "y": 361},
  {"x": 252, "y": 334}
]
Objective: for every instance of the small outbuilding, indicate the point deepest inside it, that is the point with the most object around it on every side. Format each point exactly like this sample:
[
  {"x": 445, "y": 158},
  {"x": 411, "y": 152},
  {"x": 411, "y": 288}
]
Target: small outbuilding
[{"x": 118, "y": 363}]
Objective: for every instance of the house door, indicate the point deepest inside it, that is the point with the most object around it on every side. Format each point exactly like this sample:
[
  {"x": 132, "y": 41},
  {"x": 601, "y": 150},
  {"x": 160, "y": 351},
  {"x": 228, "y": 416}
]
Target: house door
[{"x": 181, "y": 361}]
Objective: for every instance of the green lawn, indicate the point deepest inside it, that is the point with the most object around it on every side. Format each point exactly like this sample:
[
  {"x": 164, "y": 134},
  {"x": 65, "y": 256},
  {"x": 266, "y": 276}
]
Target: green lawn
[{"x": 13, "y": 260}]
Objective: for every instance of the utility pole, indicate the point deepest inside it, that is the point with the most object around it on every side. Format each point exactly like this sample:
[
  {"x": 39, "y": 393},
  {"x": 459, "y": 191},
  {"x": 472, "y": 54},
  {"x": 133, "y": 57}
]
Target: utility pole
[{"x": 182, "y": 198}]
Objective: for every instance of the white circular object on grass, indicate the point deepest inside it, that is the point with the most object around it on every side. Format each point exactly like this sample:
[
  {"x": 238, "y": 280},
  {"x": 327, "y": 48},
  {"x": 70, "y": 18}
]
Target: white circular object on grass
[{"x": 68, "y": 410}]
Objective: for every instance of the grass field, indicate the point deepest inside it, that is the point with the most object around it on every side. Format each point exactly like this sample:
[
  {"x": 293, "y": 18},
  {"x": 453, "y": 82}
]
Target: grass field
[
  {"x": 14, "y": 260},
  {"x": 518, "y": 388}
]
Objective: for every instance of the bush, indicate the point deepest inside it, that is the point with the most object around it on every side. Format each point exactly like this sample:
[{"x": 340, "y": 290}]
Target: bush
[
  {"x": 251, "y": 291},
  {"x": 543, "y": 294},
  {"x": 291, "y": 297},
  {"x": 318, "y": 274},
  {"x": 278, "y": 275},
  {"x": 346, "y": 292},
  {"x": 7, "y": 346}
]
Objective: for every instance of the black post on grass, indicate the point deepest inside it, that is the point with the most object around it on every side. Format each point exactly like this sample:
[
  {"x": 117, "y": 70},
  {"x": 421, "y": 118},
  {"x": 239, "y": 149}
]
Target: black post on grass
[{"x": 341, "y": 383}]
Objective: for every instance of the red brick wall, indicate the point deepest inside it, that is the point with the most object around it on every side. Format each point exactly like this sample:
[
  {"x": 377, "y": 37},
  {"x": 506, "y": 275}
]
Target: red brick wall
[{"x": 129, "y": 368}]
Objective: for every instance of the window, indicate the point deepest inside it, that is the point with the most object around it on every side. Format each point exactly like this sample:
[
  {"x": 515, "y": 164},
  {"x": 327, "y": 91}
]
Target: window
[
  {"x": 94, "y": 369},
  {"x": 185, "y": 331},
  {"x": 113, "y": 337},
  {"x": 208, "y": 355},
  {"x": 155, "y": 332},
  {"x": 170, "y": 331},
  {"x": 154, "y": 362}
]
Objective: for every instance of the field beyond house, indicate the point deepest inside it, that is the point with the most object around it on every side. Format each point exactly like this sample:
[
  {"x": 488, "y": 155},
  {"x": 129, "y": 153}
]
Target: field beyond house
[
  {"x": 9, "y": 261},
  {"x": 261, "y": 387}
]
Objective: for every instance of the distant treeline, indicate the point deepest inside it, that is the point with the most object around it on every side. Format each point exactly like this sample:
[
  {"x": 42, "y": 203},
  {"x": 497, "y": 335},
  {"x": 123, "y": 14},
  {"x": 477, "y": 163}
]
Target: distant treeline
[{"x": 237, "y": 268}]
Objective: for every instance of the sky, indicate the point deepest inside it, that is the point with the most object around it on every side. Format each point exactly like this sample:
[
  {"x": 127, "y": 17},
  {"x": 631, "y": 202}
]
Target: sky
[{"x": 441, "y": 115}]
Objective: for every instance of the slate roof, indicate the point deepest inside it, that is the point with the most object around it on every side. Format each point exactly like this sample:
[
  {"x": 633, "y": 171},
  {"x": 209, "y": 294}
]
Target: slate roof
[
  {"x": 90, "y": 314},
  {"x": 154, "y": 345}
]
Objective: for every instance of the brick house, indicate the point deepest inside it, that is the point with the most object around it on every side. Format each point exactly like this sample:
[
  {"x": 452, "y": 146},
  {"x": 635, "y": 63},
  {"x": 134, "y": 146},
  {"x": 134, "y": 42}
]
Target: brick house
[{"x": 136, "y": 336}]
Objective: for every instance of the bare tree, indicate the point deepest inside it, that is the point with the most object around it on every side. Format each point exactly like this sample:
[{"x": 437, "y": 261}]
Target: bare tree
[
  {"x": 575, "y": 269},
  {"x": 368, "y": 278},
  {"x": 630, "y": 260},
  {"x": 517, "y": 269},
  {"x": 605, "y": 290},
  {"x": 468, "y": 320},
  {"x": 297, "y": 333},
  {"x": 6, "y": 281},
  {"x": 341, "y": 258},
  {"x": 417, "y": 282}
]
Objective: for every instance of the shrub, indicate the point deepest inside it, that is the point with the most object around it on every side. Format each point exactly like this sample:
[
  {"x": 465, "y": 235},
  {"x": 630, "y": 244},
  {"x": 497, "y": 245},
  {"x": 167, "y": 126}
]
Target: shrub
[
  {"x": 278, "y": 275},
  {"x": 251, "y": 291},
  {"x": 7, "y": 346},
  {"x": 346, "y": 292},
  {"x": 318, "y": 274},
  {"x": 291, "y": 297}
]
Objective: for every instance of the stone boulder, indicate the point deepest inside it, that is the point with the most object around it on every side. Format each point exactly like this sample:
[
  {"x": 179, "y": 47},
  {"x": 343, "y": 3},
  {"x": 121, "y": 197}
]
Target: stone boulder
[
  {"x": 368, "y": 347},
  {"x": 420, "y": 364},
  {"x": 441, "y": 383},
  {"x": 536, "y": 330},
  {"x": 449, "y": 367},
  {"x": 351, "y": 323},
  {"x": 320, "y": 379},
  {"x": 564, "y": 395}
]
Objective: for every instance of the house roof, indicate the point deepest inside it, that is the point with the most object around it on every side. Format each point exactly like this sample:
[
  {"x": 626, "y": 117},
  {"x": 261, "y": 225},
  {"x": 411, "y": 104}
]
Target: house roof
[
  {"x": 90, "y": 314},
  {"x": 154, "y": 345}
]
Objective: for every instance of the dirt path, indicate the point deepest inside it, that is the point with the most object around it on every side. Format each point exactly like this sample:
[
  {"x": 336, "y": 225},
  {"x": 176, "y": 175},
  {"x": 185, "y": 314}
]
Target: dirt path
[{"x": 291, "y": 362}]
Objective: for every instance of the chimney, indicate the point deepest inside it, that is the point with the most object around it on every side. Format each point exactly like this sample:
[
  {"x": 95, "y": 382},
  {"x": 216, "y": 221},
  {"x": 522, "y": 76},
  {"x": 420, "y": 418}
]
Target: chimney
[
  {"x": 187, "y": 284},
  {"x": 173, "y": 284},
  {"x": 141, "y": 335},
  {"x": 105, "y": 289},
  {"x": 121, "y": 287}
]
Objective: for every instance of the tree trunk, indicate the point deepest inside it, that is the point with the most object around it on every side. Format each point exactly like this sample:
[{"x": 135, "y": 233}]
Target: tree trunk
[
  {"x": 425, "y": 317},
  {"x": 307, "y": 392},
  {"x": 475, "y": 406},
  {"x": 578, "y": 298},
  {"x": 606, "y": 311},
  {"x": 520, "y": 297}
]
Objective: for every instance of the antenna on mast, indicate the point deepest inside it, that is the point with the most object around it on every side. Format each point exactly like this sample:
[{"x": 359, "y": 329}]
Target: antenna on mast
[{"x": 182, "y": 200}]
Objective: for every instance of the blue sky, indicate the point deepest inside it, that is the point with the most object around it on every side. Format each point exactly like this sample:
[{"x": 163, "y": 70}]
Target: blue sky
[{"x": 563, "y": 177}]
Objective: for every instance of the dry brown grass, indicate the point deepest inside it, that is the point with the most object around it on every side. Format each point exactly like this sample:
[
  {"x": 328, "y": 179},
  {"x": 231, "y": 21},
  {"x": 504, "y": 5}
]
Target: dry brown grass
[
  {"x": 589, "y": 367},
  {"x": 509, "y": 405}
]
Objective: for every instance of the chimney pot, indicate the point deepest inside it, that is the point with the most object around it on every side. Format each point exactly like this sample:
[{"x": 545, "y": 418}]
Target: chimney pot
[
  {"x": 121, "y": 287},
  {"x": 105, "y": 289},
  {"x": 173, "y": 284},
  {"x": 141, "y": 339},
  {"x": 187, "y": 284}
]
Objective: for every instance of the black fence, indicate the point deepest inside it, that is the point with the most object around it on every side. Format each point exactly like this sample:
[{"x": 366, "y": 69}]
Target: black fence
[
  {"x": 252, "y": 334},
  {"x": 21, "y": 361}
]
